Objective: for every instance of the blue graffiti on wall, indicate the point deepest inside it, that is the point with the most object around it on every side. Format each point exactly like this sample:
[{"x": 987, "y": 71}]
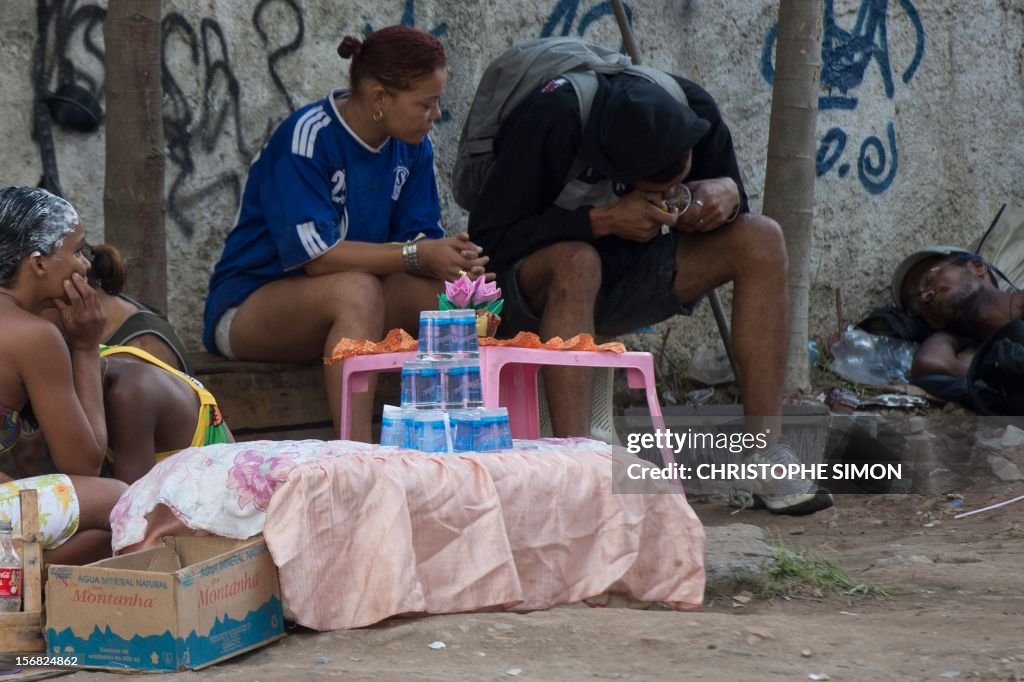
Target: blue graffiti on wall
[
  {"x": 563, "y": 17},
  {"x": 846, "y": 56}
]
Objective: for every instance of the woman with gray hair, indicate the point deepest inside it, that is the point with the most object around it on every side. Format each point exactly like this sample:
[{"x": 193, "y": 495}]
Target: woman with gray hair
[{"x": 42, "y": 267}]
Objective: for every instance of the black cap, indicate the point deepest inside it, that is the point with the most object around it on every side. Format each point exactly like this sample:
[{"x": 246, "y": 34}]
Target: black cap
[{"x": 636, "y": 130}]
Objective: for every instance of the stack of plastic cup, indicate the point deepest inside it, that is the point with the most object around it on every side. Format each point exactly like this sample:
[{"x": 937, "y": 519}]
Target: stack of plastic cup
[{"x": 445, "y": 376}]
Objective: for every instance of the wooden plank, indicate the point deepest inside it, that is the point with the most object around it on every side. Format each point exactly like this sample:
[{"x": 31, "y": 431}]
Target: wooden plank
[
  {"x": 31, "y": 552},
  {"x": 23, "y": 632},
  {"x": 258, "y": 395},
  {"x": 323, "y": 431}
]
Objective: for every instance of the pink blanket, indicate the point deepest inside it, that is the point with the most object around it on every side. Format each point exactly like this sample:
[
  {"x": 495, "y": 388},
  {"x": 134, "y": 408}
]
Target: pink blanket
[{"x": 363, "y": 537}]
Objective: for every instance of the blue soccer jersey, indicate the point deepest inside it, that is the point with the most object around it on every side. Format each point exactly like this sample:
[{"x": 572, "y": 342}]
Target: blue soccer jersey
[{"x": 314, "y": 185}]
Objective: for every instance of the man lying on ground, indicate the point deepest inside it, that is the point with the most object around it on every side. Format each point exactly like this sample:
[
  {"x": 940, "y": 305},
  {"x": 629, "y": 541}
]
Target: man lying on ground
[{"x": 955, "y": 292}]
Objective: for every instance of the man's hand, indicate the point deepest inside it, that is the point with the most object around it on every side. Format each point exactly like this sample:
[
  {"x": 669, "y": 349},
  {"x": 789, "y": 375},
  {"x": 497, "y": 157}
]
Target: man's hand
[
  {"x": 637, "y": 216},
  {"x": 451, "y": 257},
  {"x": 714, "y": 201}
]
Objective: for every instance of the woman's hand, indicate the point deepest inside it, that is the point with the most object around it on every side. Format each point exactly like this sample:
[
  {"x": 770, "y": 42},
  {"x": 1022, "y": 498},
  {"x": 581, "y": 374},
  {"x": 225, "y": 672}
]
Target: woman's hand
[
  {"x": 451, "y": 257},
  {"x": 81, "y": 315},
  {"x": 713, "y": 203}
]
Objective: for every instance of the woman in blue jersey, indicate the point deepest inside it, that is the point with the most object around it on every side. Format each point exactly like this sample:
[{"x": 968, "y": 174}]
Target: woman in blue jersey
[
  {"x": 338, "y": 234},
  {"x": 42, "y": 267}
]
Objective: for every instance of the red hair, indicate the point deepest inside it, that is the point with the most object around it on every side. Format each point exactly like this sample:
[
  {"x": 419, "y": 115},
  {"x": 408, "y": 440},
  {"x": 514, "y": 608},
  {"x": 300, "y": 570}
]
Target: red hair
[{"x": 396, "y": 57}]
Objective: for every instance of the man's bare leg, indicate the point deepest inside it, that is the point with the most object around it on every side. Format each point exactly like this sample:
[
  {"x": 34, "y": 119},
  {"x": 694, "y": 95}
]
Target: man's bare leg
[
  {"x": 561, "y": 283},
  {"x": 751, "y": 253}
]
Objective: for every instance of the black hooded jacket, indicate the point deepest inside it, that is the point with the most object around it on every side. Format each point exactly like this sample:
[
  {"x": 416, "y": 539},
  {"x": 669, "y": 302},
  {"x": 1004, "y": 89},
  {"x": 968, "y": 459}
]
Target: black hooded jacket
[{"x": 536, "y": 147}]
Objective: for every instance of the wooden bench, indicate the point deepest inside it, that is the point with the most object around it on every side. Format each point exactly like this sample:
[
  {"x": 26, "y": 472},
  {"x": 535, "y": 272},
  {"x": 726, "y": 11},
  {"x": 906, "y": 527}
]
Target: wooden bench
[{"x": 267, "y": 400}]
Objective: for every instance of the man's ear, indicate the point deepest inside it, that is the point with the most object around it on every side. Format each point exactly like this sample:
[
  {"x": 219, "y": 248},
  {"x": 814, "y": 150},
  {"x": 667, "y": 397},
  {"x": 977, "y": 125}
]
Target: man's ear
[{"x": 978, "y": 268}]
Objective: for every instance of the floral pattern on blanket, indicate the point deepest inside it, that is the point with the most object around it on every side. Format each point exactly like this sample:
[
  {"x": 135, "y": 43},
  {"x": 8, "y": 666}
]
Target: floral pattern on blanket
[
  {"x": 255, "y": 477},
  {"x": 225, "y": 489}
]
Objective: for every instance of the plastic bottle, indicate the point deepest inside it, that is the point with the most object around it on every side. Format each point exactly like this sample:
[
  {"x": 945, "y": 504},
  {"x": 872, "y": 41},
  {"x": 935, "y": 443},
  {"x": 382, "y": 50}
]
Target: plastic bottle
[
  {"x": 710, "y": 365},
  {"x": 868, "y": 359},
  {"x": 813, "y": 355},
  {"x": 10, "y": 572}
]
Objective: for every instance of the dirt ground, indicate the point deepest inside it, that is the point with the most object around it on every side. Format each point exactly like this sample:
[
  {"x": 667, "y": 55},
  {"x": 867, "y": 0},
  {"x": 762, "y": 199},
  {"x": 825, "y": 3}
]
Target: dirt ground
[{"x": 955, "y": 610}]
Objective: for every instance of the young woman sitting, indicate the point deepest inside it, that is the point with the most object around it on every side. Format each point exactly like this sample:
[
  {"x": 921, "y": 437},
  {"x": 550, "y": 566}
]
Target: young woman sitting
[{"x": 42, "y": 266}]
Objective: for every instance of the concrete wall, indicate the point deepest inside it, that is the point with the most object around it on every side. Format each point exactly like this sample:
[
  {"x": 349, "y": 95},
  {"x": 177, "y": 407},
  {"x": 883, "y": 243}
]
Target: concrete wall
[{"x": 918, "y": 131}]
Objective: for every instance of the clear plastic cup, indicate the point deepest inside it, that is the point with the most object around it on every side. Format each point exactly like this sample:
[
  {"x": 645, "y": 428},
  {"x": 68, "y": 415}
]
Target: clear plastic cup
[
  {"x": 464, "y": 341},
  {"x": 464, "y": 425},
  {"x": 392, "y": 429},
  {"x": 432, "y": 431},
  {"x": 435, "y": 338},
  {"x": 421, "y": 385},
  {"x": 462, "y": 386},
  {"x": 493, "y": 431}
]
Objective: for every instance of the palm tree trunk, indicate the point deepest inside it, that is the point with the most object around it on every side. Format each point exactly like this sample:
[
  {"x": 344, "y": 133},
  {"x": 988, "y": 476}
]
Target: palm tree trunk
[
  {"x": 790, "y": 171},
  {"x": 133, "y": 196}
]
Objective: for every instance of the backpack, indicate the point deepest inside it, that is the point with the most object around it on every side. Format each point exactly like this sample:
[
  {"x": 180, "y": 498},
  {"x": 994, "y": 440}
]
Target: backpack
[
  {"x": 521, "y": 71},
  {"x": 995, "y": 379}
]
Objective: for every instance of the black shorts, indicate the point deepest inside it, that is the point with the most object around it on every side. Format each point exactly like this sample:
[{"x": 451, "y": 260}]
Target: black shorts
[{"x": 636, "y": 289}]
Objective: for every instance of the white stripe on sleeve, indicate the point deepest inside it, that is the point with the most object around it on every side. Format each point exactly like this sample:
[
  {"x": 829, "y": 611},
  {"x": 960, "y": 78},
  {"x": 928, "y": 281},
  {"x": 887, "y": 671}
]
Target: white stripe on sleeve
[
  {"x": 314, "y": 129},
  {"x": 302, "y": 129}
]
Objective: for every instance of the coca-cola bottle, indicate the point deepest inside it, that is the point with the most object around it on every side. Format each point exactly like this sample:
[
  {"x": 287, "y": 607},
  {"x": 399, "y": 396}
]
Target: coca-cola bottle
[{"x": 10, "y": 572}]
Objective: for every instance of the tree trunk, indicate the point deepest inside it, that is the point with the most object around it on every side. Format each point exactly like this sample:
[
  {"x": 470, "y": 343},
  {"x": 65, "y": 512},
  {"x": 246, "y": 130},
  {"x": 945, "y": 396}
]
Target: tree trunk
[
  {"x": 790, "y": 171},
  {"x": 133, "y": 196}
]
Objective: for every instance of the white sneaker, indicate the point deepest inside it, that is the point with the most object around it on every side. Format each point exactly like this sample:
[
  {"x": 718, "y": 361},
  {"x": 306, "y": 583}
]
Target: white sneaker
[{"x": 793, "y": 496}]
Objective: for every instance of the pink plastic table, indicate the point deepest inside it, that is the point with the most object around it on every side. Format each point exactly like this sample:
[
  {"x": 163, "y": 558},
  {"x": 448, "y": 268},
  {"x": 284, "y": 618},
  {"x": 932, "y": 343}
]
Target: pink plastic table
[{"x": 509, "y": 376}]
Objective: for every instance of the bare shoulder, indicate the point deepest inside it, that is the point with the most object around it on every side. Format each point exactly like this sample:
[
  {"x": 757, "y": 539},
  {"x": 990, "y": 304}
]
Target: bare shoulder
[
  {"x": 131, "y": 383},
  {"x": 28, "y": 337},
  {"x": 158, "y": 348}
]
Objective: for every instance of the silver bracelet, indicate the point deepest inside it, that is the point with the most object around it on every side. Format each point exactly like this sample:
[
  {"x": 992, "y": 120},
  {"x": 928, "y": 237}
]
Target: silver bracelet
[{"x": 410, "y": 258}]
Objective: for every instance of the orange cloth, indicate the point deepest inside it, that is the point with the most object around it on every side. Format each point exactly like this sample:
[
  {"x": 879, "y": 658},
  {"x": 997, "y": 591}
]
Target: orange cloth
[
  {"x": 578, "y": 342},
  {"x": 396, "y": 341},
  {"x": 399, "y": 341}
]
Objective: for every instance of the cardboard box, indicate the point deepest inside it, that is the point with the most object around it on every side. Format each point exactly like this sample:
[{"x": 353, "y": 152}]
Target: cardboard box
[{"x": 189, "y": 604}]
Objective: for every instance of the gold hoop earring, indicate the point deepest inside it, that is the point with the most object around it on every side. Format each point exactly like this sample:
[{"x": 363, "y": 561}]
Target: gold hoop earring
[{"x": 378, "y": 116}]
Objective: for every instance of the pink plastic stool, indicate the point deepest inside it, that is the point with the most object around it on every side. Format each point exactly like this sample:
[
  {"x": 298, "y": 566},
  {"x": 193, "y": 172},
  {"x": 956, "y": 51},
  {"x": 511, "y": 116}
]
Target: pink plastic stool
[{"x": 509, "y": 377}]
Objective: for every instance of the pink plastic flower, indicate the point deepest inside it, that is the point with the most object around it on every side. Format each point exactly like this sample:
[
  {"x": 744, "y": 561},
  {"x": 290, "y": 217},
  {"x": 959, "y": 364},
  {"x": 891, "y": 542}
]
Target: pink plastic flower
[
  {"x": 460, "y": 292},
  {"x": 486, "y": 292}
]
